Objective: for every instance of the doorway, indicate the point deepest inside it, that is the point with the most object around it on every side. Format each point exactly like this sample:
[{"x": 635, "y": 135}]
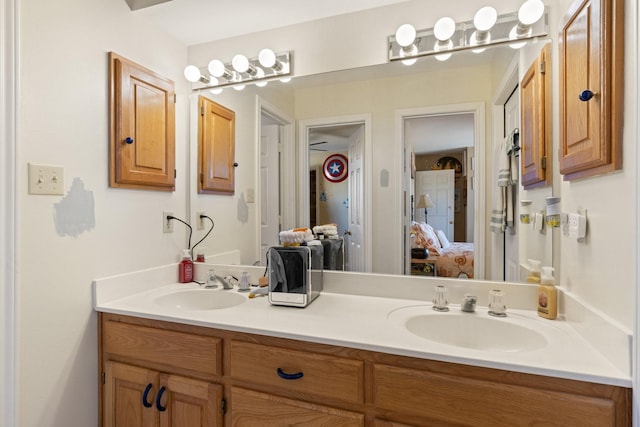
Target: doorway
[
  {"x": 338, "y": 149},
  {"x": 472, "y": 164},
  {"x": 276, "y": 147}
]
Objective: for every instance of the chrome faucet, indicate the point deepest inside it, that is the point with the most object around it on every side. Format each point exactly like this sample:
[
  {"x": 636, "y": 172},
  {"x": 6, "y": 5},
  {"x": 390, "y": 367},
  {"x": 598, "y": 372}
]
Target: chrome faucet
[
  {"x": 226, "y": 281},
  {"x": 469, "y": 303}
]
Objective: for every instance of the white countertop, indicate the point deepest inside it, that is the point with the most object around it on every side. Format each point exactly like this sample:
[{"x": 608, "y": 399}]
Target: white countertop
[{"x": 363, "y": 322}]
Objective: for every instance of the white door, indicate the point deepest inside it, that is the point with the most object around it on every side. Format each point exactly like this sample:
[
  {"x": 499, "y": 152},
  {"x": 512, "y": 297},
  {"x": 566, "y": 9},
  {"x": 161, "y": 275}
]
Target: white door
[
  {"x": 511, "y": 238},
  {"x": 354, "y": 236},
  {"x": 269, "y": 188},
  {"x": 439, "y": 185}
]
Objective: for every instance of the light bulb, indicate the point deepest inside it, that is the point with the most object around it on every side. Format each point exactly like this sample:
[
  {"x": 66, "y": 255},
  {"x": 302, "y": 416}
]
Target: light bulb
[
  {"x": 405, "y": 35},
  {"x": 216, "y": 91},
  {"x": 474, "y": 41},
  {"x": 217, "y": 68},
  {"x": 513, "y": 35},
  {"x": 413, "y": 50},
  {"x": 238, "y": 87},
  {"x": 530, "y": 11},
  {"x": 485, "y": 18},
  {"x": 285, "y": 79},
  {"x": 260, "y": 75},
  {"x": 444, "y": 28},
  {"x": 240, "y": 63},
  {"x": 267, "y": 58},
  {"x": 192, "y": 73},
  {"x": 443, "y": 46}
]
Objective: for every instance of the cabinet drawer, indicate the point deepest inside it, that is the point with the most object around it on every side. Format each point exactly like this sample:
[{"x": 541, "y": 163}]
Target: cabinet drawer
[
  {"x": 251, "y": 408},
  {"x": 321, "y": 375},
  {"x": 173, "y": 351},
  {"x": 409, "y": 395}
]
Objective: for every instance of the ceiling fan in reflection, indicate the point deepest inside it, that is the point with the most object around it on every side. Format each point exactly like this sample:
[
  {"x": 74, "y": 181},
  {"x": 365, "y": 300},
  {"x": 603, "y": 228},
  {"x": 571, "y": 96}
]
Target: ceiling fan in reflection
[{"x": 311, "y": 146}]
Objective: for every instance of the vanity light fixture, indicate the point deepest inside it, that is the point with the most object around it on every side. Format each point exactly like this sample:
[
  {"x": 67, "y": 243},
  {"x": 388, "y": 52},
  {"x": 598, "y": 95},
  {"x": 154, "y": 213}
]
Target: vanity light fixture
[
  {"x": 486, "y": 29},
  {"x": 192, "y": 73},
  {"x": 484, "y": 19},
  {"x": 241, "y": 71}
]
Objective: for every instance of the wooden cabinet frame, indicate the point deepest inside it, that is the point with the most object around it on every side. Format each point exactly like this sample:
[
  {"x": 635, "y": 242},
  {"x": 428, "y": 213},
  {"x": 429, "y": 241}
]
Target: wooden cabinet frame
[
  {"x": 535, "y": 119},
  {"x": 395, "y": 390},
  {"x": 216, "y": 148},
  {"x": 591, "y": 45},
  {"x": 142, "y": 127}
]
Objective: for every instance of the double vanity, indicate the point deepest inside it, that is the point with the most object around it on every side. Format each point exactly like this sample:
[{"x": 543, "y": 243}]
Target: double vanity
[{"x": 369, "y": 351}]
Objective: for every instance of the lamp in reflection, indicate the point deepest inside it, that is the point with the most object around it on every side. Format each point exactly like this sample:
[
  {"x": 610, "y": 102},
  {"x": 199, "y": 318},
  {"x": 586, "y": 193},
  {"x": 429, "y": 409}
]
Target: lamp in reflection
[
  {"x": 486, "y": 29},
  {"x": 241, "y": 71},
  {"x": 425, "y": 203}
]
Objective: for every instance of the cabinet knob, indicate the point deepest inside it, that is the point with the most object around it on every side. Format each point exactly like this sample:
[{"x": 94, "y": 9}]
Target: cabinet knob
[
  {"x": 235, "y": 164},
  {"x": 144, "y": 396},
  {"x": 128, "y": 140},
  {"x": 586, "y": 95}
]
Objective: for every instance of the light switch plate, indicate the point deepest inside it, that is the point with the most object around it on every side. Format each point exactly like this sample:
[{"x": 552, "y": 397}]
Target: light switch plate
[
  {"x": 46, "y": 179},
  {"x": 251, "y": 195}
]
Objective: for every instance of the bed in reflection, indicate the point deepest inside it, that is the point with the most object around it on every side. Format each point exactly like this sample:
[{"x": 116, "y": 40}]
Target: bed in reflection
[{"x": 445, "y": 258}]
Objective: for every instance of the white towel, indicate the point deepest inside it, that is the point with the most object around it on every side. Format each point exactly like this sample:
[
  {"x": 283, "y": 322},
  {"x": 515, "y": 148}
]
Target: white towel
[{"x": 504, "y": 197}]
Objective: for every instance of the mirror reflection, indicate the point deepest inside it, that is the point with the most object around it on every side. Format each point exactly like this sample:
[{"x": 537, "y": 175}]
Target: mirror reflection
[{"x": 407, "y": 129}]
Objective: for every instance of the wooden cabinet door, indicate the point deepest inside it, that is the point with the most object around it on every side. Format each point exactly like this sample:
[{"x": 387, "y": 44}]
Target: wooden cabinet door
[
  {"x": 535, "y": 132},
  {"x": 142, "y": 127},
  {"x": 591, "y": 59},
  {"x": 216, "y": 148},
  {"x": 249, "y": 408},
  {"x": 189, "y": 402},
  {"x": 129, "y": 394}
]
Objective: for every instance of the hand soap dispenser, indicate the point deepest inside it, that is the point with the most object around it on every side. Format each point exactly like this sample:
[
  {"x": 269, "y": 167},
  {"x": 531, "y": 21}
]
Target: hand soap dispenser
[
  {"x": 185, "y": 268},
  {"x": 547, "y": 295},
  {"x": 534, "y": 271}
]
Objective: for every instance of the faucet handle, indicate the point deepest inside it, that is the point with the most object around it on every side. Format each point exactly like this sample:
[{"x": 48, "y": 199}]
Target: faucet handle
[{"x": 469, "y": 303}]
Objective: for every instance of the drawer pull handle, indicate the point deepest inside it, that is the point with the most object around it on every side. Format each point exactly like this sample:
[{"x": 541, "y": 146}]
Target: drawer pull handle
[
  {"x": 282, "y": 374},
  {"x": 158, "y": 397},
  {"x": 144, "y": 396}
]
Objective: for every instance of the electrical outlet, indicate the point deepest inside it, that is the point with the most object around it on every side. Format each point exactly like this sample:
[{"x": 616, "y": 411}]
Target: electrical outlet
[
  {"x": 200, "y": 221},
  {"x": 167, "y": 224}
]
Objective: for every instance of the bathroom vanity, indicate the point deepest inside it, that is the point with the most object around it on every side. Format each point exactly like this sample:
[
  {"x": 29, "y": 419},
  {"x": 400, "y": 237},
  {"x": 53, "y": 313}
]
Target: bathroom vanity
[{"x": 178, "y": 355}]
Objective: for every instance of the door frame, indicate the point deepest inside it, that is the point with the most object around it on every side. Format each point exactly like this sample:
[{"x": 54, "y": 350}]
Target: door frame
[
  {"x": 304, "y": 126},
  {"x": 9, "y": 212},
  {"x": 478, "y": 179},
  {"x": 287, "y": 175}
]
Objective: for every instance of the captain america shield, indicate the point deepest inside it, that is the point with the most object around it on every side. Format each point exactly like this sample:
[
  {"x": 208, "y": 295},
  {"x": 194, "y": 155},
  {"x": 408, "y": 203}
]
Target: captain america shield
[{"x": 335, "y": 168}]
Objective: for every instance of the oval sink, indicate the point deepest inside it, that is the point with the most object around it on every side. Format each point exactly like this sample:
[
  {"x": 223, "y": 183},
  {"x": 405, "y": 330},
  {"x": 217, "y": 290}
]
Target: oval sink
[
  {"x": 201, "y": 299},
  {"x": 474, "y": 331}
]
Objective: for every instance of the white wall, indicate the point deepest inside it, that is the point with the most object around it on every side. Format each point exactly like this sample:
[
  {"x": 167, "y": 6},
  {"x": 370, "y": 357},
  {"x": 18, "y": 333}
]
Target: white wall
[{"x": 64, "y": 121}]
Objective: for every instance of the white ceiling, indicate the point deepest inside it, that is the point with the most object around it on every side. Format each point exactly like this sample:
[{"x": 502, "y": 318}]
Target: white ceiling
[{"x": 200, "y": 21}]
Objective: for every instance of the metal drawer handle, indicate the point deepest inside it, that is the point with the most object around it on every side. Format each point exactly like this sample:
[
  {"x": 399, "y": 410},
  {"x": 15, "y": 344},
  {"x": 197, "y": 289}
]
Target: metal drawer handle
[
  {"x": 282, "y": 374},
  {"x": 144, "y": 396},
  {"x": 158, "y": 397}
]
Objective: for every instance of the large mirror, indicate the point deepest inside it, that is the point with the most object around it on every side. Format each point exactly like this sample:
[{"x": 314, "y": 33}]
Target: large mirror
[{"x": 402, "y": 132}]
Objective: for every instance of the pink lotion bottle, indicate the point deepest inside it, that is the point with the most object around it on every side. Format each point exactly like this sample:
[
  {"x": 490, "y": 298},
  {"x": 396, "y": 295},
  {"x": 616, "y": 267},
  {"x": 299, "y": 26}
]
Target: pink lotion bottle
[{"x": 185, "y": 268}]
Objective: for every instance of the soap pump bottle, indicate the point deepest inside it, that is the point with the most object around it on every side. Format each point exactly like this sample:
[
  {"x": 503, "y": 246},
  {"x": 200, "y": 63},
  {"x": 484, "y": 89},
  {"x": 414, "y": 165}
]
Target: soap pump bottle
[
  {"x": 534, "y": 271},
  {"x": 547, "y": 295},
  {"x": 185, "y": 268}
]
